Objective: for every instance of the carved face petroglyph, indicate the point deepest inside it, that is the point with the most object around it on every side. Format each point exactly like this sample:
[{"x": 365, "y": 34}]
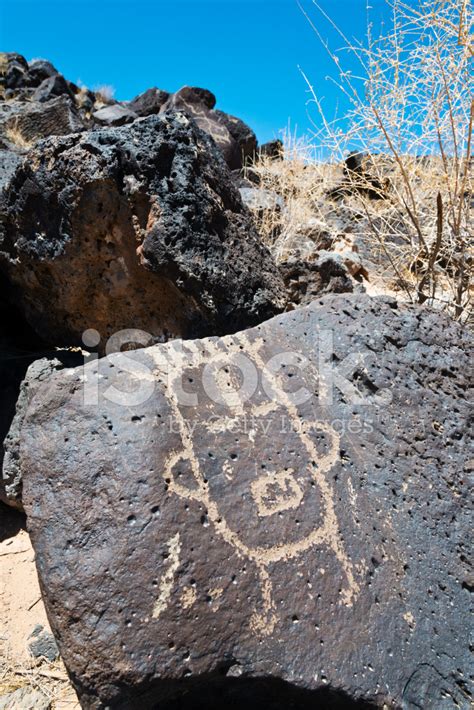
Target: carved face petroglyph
[{"x": 259, "y": 471}]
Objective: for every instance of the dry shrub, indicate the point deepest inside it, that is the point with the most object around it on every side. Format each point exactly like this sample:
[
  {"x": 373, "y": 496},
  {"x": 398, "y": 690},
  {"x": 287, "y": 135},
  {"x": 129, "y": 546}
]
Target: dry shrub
[
  {"x": 300, "y": 179},
  {"x": 411, "y": 109},
  {"x": 15, "y": 136},
  {"x": 38, "y": 674},
  {"x": 104, "y": 93}
]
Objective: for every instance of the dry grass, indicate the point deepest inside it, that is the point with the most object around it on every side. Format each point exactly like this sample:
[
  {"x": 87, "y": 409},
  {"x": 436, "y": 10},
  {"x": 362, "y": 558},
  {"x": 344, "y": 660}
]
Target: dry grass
[
  {"x": 104, "y": 93},
  {"x": 14, "y": 135},
  {"x": 50, "y": 679},
  {"x": 301, "y": 181},
  {"x": 411, "y": 109}
]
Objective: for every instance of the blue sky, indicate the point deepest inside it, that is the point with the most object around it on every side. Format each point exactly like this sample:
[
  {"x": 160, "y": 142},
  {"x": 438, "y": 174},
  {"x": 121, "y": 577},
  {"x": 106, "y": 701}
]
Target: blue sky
[{"x": 246, "y": 51}]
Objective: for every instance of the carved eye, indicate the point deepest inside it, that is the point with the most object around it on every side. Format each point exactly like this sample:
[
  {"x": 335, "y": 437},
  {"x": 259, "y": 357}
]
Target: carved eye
[{"x": 275, "y": 492}]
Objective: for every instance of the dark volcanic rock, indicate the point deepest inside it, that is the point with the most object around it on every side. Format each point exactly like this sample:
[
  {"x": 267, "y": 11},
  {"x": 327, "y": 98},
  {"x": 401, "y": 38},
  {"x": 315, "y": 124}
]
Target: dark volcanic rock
[
  {"x": 41, "y": 69},
  {"x": 361, "y": 176},
  {"x": 50, "y": 88},
  {"x": 21, "y": 123},
  {"x": 133, "y": 227},
  {"x": 273, "y": 149},
  {"x": 149, "y": 102},
  {"x": 307, "y": 280},
  {"x": 19, "y": 347},
  {"x": 13, "y": 72},
  {"x": 235, "y": 140},
  {"x": 304, "y": 521},
  {"x": 43, "y": 644},
  {"x": 244, "y": 138},
  {"x": 38, "y": 372}
]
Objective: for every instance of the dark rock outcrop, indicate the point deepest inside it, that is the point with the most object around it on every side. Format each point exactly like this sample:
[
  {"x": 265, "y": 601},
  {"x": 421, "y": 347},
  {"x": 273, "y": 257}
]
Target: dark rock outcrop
[
  {"x": 361, "y": 176},
  {"x": 30, "y": 85},
  {"x": 149, "y": 102},
  {"x": 305, "y": 521},
  {"x": 13, "y": 73},
  {"x": 19, "y": 397},
  {"x": 133, "y": 227},
  {"x": 50, "y": 88},
  {"x": 23, "y": 123},
  {"x": 307, "y": 280},
  {"x": 233, "y": 137},
  {"x": 39, "y": 70},
  {"x": 274, "y": 149}
]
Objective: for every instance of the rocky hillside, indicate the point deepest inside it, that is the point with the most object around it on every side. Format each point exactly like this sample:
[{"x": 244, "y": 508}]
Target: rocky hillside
[{"x": 245, "y": 476}]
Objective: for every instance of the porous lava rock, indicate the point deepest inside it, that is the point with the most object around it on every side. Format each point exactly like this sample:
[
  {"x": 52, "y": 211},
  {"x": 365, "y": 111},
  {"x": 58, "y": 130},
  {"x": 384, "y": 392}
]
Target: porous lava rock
[
  {"x": 234, "y": 138},
  {"x": 149, "y": 102},
  {"x": 133, "y": 227},
  {"x": 22, "y": 123},
  {"x": 284, "y": 508},
  {"x": 18, "y": 395},
  {"x": 306, "y": 280}
]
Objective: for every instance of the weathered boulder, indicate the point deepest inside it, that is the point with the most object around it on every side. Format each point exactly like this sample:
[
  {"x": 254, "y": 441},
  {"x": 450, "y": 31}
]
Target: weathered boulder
[
  {"x": 273, "y": 149},
  {"x": 133, "y": 227},
  {"x": 50, "y": 88},
  {"x": 244, "y": 138},
  {"x": 306, "y": 280},
  {"x": 25, "y": 698},
  {"x": 13, "y": 72},
  {"x": 149, "y": 102},
  {"x": 235, "y": 140},
  {"x": 287, "y": 504},
  {"x": 115, "y": 115},
  {"x": 22, "y": 123},
  {"x": 21, "y": 394},
  {"x": 39, "y": 70}
]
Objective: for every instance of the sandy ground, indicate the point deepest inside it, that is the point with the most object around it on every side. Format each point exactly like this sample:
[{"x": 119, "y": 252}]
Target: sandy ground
[{"x": 21, "y": 609}]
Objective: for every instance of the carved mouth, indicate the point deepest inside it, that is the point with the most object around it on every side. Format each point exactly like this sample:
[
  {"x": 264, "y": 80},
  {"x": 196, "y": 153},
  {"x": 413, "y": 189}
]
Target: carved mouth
[{"x": 276, "y": 492}]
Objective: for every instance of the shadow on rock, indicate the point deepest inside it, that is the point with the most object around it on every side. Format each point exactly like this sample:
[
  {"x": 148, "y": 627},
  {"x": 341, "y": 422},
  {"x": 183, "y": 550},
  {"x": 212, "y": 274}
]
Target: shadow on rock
[
  {"x": 217, "y": 692},
  {"x": 11, "y": 522}
]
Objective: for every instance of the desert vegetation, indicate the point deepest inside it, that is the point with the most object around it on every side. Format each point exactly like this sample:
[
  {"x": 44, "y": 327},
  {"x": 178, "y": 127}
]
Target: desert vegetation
[{"x": 408, "y": 193}]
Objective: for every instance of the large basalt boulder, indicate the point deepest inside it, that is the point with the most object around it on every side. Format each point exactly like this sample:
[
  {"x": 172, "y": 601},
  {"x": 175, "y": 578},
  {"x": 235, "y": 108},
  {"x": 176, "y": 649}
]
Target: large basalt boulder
[
  {"x": 50, "y": 88},
  {"x": 134, "y": 227},
  {"x": 23, "y": 123},
  {"x": 115, "y": 115},
  {"x": 234, "y": 138},
  {"x": 13, "y": 72},
  {"x": 38, "y": 372},
  {"x": 41, "y": 69},
  {"x": 149, "y": 102},
  {"x": 289, "y": 504}
]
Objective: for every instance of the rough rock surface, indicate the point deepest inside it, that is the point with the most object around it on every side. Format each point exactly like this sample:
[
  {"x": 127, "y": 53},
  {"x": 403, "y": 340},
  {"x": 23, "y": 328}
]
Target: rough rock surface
[
  {"x": 133, "y": 227},
  {"x": 233, "y": 137},
  {"x": 22, "y": 123},
  {"x": 25, "y": 699},
  {"x": 307, "y": 280},
  {"x": 32, "y": 86},
  {"x": 19, "y": 347},
  {"x": 115, "y": 115},
  {"x": 43, "y": 644},
  {"x": 277, "y": 527},
  {"x": 38, "y": 372},
  {"x": 149, "y": 102}
]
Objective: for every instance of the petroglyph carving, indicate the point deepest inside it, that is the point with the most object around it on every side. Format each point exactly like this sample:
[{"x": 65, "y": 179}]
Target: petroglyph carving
[
  {"x": 271, "y": 493},
  {"x": 276, "y": 492},
  {"x": 166, "y": 587}
]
